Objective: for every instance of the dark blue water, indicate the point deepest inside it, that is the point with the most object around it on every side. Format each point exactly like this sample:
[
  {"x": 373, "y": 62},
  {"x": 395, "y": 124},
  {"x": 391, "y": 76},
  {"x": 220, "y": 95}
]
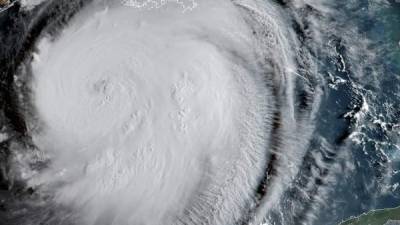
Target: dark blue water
[
  {"x": 353, "y": 162},
  {"x": 368, "y": 161}
]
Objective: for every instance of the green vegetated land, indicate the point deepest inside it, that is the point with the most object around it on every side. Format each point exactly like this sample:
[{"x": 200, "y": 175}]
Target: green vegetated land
[{"x": 375, "y": 217}]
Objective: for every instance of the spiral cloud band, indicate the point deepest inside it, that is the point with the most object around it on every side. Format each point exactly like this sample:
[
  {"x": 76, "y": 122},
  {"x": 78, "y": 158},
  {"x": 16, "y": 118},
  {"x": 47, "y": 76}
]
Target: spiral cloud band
[
  {"x": 196, "y": 112},
  {"x": 152, "y": 115}
]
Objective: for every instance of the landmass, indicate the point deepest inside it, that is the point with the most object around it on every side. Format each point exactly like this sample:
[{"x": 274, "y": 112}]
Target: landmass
[
  {"x": 376, "y": 217},
  {"x": 4, "y": 2}
]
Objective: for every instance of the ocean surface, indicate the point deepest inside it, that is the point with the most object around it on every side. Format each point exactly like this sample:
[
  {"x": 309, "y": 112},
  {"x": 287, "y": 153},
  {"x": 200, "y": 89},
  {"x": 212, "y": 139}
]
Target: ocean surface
[{"x": 370, "y": 180}]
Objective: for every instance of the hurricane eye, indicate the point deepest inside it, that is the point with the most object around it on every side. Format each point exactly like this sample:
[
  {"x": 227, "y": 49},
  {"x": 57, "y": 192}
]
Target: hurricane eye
[{"x": 148, "y": 105}]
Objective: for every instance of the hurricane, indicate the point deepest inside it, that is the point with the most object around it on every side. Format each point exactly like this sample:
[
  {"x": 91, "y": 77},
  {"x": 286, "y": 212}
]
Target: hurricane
[{"x": 198, "y": 112}]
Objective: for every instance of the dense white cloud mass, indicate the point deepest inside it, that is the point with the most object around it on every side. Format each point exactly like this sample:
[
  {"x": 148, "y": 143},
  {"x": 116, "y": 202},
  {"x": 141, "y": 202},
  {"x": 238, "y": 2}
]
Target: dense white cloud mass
[
  {"x": 185, "y": 4},
  {"x": 195, "y": 112},
  {"x": 31, "y": 3},
  {"x": 152, "y": 116}
]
